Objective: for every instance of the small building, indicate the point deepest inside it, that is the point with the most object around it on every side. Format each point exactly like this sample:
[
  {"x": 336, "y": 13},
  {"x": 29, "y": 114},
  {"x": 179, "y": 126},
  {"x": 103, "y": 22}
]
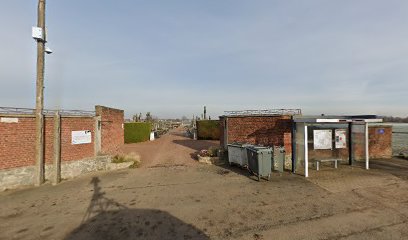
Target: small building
[
  {"x": 284, "y": 127},
  {"x": 261, "y": 127}
]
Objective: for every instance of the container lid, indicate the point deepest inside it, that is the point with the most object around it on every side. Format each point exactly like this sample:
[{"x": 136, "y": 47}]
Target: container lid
[
  {"x": 238, "y": 144},
  {"x": 260, "y": 148}
]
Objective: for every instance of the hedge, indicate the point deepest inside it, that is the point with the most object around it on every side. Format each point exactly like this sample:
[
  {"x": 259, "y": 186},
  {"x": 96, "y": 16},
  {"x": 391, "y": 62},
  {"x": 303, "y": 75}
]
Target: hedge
[
  {"x": 137, "y": 132},
  {"x": 208, "y": 130}
]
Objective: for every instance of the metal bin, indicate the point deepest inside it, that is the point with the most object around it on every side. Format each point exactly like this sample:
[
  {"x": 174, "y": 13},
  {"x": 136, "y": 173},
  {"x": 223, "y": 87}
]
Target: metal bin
[
  {"x": 278, "y": 158},
  {"x": 237, "y": 154},
  {"x": 260, "y": 161}
]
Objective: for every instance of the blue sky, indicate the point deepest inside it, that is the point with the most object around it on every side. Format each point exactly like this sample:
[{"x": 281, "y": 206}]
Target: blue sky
[{"x": 173, "y": 57}]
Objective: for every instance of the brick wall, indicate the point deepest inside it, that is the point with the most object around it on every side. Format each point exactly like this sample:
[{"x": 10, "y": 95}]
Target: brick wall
[
  {"x": 276, "y": 130},
  {"x": 380, "y": 143},
  {"x": 17, "y": 143},
  {"x": 17, "y": 140},
  {"x": 70, "y": 152},
  {"x": 262, "y": 130},
  {"x": 111, "y": 129}
]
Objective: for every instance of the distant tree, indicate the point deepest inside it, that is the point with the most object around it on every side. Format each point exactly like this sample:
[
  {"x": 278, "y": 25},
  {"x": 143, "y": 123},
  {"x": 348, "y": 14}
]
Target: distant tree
[
  {"x": 395, "y": 119},
  {"x": 149, "y": 117},
  {"x": 135, "y": 117}
]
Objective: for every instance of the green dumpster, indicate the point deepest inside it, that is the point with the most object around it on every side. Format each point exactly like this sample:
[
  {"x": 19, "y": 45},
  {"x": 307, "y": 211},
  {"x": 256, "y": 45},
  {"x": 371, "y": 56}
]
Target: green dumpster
[{"x": 260, "y": 161}]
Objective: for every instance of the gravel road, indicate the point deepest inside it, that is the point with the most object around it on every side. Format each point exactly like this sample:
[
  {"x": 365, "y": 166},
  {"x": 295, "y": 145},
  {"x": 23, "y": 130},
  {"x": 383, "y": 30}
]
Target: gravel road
[{"x": 173, "y": 197}]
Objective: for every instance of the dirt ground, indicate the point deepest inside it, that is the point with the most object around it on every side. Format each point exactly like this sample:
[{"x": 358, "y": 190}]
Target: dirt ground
[{"x": 173, "y": 197}]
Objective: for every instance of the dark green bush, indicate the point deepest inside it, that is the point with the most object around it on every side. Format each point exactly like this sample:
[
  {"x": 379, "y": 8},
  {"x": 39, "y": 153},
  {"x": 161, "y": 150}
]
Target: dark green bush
[
  {"x": 137, "y": 132},
  {"x": 208, "y": 130}
]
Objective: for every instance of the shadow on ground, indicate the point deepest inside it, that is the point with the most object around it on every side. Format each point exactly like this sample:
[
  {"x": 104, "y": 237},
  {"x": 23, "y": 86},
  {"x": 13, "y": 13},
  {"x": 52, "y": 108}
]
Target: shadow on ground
[
  {"x": 396, "y": 167},
  {"x": 179, "y": 134},
  {"x": 197, "y": 145},
  {"x": 107, "y": 219}
]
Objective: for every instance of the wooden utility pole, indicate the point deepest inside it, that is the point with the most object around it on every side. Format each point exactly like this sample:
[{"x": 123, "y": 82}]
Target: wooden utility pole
[{"x": 39, "y": 102}]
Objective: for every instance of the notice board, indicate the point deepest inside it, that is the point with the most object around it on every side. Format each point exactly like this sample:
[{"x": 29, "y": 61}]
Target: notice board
[
  {"x": 322, "y": 139},
  {"x": 81, "y": 137},
  {"x": 340, "y": 138}
]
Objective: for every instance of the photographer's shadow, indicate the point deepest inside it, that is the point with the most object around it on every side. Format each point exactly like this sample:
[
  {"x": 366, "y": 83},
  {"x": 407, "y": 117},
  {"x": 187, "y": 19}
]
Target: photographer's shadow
[{"x": 107, "y": 219}]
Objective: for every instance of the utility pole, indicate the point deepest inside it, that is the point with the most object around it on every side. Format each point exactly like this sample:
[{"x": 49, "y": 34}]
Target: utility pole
[{"x": 39, "y": 102}]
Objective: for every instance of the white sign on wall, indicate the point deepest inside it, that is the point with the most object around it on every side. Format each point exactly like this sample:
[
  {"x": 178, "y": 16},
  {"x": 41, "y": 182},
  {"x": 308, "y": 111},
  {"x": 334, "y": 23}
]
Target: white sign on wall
[
  {"x": 81, "y": 137},
  {"x": 340, "y": 138},
  {"x": 322, "y": 139},
  {"x": 8, "y": 120}
]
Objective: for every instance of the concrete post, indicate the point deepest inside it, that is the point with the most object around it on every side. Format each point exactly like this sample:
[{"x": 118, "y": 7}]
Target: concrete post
[
  {"x": 57, "y": 149},
  {"x": 98, "y": 137}
]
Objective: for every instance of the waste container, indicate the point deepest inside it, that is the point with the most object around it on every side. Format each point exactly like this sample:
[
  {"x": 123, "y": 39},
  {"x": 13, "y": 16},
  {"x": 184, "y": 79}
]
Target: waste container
[
  {"x": 278, "y": 158},
  {"x": 237, "y": 154},
  {"x": 260, "y": 161}
]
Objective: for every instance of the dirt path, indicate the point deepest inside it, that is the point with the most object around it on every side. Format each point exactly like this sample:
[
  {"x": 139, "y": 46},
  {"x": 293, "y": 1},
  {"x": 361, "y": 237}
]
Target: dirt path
[
  {"x": 173, "y": 148},
  {"x": 173, "y": 197}
]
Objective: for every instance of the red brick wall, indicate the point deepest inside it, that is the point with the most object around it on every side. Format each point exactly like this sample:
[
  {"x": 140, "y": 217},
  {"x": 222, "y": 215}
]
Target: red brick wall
[
  {"x": 380, "y": 143},
  {"x": 17, "y": 141},
  {"x": 262, "y": 130},
  {"x": 70, "y": 152},
  {"x": 112, "y": 129},
  {"x": 276, "y": 130}
]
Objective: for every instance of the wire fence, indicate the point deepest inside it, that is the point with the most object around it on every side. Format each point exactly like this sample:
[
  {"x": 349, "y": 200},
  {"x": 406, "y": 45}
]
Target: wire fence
[
  {"x": 46, "y": 112},
  {"x": 264, "y": 112}
]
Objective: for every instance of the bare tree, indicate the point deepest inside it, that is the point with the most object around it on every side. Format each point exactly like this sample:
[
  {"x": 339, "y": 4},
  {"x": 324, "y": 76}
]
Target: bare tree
[{"x": 149, "y": 117}]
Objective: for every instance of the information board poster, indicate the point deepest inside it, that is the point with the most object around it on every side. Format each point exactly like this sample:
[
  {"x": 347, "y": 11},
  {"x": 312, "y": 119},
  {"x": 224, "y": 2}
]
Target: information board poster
[
  {"x": 322, "y": 139},
  {"x": 81, "y": 137},
  {"x": 340, "y": 138}
]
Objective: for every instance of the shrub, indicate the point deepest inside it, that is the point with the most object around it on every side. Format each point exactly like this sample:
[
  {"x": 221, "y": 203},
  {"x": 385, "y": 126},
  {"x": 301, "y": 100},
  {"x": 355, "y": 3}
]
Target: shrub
[
  {"x": 208, "y": 130},
  {"x": 130, "y": 157},
  {"x": 137, "y": 132}
]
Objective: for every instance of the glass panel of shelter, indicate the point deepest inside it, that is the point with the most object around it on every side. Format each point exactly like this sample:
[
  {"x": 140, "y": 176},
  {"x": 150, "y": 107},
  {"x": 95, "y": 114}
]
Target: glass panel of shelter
[{"x": 339, "y": 152}]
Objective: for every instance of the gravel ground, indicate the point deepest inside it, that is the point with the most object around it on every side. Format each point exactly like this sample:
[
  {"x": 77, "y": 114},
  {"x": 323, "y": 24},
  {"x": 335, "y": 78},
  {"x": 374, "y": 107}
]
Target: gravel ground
[{"x": 173, "y": 197}]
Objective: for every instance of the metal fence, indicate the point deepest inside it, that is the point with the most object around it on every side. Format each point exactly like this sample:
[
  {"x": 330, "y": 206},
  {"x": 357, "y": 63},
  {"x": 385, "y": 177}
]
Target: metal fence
[
  {"x": 264, "y": 112},
  {"x": 46, "y": 112}
]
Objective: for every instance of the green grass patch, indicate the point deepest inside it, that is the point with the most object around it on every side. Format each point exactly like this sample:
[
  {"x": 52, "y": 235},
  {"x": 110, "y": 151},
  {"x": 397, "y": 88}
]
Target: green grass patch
[
  {"x": 137, "y": 132},
  {"x": 208, "y": 130},
  {"x": 118, "y": 159}
]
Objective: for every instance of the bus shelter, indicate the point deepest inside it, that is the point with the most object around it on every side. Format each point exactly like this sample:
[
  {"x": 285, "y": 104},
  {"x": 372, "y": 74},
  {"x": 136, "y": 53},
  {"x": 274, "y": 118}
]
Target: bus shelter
[{"x": 330, "y": 139}]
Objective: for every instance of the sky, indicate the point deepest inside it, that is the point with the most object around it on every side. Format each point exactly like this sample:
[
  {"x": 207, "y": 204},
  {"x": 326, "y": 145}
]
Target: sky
[{"x": 171, "y": 58}]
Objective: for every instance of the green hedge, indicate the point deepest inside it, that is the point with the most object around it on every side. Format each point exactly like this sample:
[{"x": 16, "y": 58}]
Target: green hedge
[
  {"x": 137, "y": 132},
  {"x": 208, "y": 130}
]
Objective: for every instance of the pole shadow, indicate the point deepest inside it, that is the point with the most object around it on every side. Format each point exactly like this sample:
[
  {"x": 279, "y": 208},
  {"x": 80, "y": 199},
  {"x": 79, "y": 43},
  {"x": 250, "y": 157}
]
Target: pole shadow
[
  {"x": 108, "y": 219},
  {"x": 197, "y": 145}
]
